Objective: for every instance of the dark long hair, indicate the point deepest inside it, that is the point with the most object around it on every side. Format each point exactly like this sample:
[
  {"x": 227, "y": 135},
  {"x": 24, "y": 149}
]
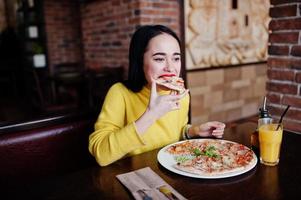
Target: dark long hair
[{"x": 139, "y": 42}]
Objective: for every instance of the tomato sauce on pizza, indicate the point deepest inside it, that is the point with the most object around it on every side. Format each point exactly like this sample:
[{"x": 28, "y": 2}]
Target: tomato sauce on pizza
[
  {"x": 172, "y": 82},
  {"x": 211, "y": 157}
]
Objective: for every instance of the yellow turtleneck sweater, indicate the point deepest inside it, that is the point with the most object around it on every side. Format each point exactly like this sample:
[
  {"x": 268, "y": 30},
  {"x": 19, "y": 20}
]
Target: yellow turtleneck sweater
[{"x": 115, "y": 134}]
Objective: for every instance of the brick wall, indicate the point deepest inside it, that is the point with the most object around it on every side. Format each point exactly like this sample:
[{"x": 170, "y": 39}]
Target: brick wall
[
  {"x": 284, "y": 62},
  {"x": 226, "y": 94},
  {"x": 102, "y": 27},
  {"x": 62, "y": 26},
  {"x": 108, "y": 25}
]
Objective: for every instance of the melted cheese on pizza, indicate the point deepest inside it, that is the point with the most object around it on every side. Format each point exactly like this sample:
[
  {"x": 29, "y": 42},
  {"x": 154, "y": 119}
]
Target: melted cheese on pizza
[{"x": 210, "y": 156}]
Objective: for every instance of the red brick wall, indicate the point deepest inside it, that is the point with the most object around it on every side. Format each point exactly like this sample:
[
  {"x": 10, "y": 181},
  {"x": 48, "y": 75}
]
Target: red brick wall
[
  {"x": 108, "y": 25},
  {"x": 284, "y": 62},
  {"x": 62, "y": 26}
]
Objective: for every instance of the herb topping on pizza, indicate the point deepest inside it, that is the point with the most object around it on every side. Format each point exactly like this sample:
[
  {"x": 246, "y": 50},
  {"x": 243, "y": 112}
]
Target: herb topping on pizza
[{"x": 211, "y": 157}]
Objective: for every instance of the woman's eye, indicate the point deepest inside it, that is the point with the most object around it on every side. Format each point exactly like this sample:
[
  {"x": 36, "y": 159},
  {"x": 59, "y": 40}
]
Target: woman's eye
[
  {"x": 159, "y": 59},
  {"x": 177, "y": 59}
]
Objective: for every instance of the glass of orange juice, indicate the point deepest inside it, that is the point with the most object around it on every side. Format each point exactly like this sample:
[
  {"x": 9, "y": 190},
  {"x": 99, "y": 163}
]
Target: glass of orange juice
[{"x": 270, "y": 141}]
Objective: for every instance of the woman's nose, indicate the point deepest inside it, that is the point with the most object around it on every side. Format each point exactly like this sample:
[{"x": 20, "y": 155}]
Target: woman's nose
[{"x": 168, "y": 67}]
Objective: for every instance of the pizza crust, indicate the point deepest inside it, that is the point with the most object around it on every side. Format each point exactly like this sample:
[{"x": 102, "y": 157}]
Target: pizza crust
[
  {"x": 172, "y": 82},
  {"x": 193, "y": 170}
]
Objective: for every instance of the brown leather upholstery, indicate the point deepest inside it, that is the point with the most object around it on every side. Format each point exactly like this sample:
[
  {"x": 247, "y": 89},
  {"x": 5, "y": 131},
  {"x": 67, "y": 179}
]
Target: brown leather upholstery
[{"x": 46, "y": 151}]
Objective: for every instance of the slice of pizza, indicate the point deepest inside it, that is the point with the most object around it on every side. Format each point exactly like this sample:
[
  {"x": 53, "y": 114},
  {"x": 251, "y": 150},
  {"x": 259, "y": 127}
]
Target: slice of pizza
[{"x": 172, "y": 82}]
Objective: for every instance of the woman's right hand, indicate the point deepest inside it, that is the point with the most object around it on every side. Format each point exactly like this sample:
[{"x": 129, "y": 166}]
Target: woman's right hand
[{"x": 159, "y": 105}]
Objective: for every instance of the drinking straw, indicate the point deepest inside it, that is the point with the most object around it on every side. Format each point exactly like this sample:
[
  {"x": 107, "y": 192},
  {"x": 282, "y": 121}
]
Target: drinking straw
[{"x": 280, "y": 121}]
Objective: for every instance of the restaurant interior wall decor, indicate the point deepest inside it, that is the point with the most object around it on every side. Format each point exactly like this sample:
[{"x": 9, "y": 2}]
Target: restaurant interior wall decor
[
  {"x": 225, "y": 57},
  {"x": 225, "y": 32}
]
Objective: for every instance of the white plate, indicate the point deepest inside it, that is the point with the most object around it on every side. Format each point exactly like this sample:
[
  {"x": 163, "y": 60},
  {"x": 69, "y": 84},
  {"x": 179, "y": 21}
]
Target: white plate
[{"x": 167, "y": 161}]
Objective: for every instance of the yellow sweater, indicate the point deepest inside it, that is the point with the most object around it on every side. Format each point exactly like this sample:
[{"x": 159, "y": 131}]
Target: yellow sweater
[{"x": 115, "y": 134}]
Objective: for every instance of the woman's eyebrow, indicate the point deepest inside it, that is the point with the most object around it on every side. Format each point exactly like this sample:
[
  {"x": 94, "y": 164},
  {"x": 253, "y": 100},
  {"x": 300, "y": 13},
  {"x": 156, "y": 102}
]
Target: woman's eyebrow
[
  {"x": 164, "y": 54},
  {"x": 159, "y": 53}
]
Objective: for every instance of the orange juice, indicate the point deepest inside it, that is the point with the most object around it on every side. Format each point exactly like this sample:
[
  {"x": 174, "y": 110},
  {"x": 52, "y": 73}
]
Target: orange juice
[{"x": 270, "y": 142}]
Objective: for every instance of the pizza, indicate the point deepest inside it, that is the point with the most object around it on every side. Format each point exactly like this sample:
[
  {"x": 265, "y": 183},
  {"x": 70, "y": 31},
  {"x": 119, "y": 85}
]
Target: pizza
[
  {"x": 211, "y": 157},
  {"x": 172, "y": 82}
]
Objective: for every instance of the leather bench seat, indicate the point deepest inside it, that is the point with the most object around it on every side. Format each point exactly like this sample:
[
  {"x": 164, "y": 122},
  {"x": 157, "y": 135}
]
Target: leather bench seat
[{"x": 45, "y": 151}]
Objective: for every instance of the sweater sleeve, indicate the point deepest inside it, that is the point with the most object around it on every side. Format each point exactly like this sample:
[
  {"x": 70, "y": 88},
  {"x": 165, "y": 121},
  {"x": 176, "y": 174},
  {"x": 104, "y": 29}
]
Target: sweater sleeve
[
  {"x": 185, "y": 124},
  {"x": 112, "y": 138}
]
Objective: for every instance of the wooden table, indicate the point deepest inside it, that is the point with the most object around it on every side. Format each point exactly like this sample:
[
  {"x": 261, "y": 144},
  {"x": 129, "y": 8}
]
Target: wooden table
[{"x": 262, "y": 182}]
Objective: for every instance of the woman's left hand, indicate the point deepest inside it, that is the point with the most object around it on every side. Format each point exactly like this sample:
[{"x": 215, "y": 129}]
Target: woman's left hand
[{"x": 213, "y": 128}]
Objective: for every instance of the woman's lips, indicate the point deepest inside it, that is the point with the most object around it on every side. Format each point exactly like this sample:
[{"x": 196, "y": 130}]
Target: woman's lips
[{"x": 166, "y": 75}]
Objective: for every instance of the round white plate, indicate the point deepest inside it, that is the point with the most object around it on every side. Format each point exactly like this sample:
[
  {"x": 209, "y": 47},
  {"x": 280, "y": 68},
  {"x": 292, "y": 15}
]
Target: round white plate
[{"x": 167, "y": 161}]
